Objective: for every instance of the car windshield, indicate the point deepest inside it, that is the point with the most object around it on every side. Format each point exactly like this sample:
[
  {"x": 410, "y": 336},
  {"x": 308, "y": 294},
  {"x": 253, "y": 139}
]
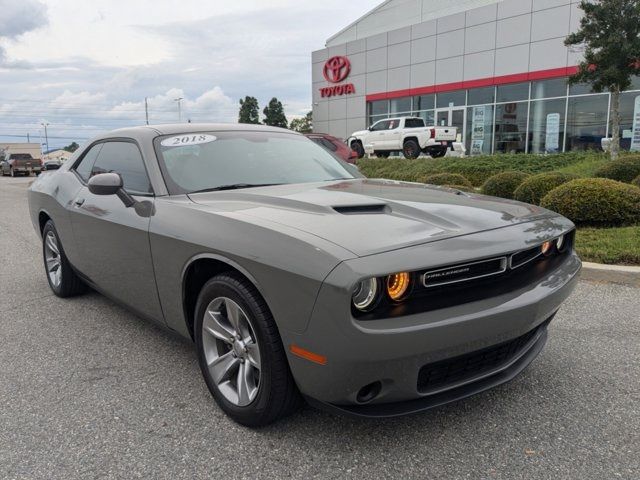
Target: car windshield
[{"x": 194, "y": 162}]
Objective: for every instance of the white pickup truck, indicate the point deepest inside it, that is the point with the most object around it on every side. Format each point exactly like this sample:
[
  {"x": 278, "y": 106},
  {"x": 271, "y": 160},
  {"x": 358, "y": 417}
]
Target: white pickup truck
[{"x": 407, "y": 134}]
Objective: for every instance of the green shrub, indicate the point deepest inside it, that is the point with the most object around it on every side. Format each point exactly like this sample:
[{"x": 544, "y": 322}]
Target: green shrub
[
  {"x": 596, "y": 202},
  {"x": 504, "y": 184},
  {"x": 636, "y": 181},
  {"x": 534, "y": 188},
  {"x": 447, "y": 179},
  {"x": 622, "y": 170}
]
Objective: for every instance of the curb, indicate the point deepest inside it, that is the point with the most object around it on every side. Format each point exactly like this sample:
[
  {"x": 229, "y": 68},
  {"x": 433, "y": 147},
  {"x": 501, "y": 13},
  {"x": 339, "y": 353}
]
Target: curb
[{"x": 620, "y": 274}]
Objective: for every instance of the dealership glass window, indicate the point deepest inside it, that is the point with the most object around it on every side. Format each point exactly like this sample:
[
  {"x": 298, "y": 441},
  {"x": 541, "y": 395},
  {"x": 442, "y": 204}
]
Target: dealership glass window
[
  {"x": 373, "y": 119},
  {"x": 513, "y": 92},
  {"x": 478, "y": 96},
  {"x": 580, "y": 89},
  {"x": 627, "y": 105},
  {"x": 556, "y": 87},
  {"x": 511, "y": 127},
  {"x": 546, "y": 126},
  {"x": 427, "y": 116},
  {"x": 380, "y": 107},
  {"x": 424, "y": 102},
  {"x": 479, "y": 130},
  {"x": 586, "y": 122},
  {"x": 447, "y": 99},
  {"x": 401, "y": 105}
]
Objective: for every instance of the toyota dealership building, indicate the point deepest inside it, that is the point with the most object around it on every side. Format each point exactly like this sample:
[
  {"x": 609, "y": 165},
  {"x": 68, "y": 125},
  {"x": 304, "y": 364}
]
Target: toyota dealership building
[{"x": 495, "y": 69}]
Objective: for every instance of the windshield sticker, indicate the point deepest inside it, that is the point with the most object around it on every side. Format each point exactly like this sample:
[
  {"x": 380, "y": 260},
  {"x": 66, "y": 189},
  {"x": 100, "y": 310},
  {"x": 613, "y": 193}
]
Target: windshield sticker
[{"x": 190, "y": 139}]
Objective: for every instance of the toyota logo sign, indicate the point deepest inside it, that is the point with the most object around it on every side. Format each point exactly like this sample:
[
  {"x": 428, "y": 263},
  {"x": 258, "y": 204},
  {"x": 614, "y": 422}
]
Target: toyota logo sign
[{"x": 336, "y": 69}]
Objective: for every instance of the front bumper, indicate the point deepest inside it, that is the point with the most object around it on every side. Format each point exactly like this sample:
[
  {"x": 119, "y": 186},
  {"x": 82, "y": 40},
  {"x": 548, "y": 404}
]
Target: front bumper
[{"x": 393, "y": 351}]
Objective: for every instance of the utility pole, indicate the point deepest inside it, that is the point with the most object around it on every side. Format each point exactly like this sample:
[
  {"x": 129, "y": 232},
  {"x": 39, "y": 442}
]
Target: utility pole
[
  {"x": 28, "y": 141},
  {"x": 46, "y": 137},
  {"x": 146, "y": 110},
  {"x": 179, "y": 111}
]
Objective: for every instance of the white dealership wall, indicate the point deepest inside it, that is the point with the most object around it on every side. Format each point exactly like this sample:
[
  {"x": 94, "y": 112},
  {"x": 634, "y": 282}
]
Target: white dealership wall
[{"x": 406, "y": 45}]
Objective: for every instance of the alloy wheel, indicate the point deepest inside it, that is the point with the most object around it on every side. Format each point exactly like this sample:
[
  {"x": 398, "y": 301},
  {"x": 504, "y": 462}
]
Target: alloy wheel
[
  {"x": 231, "y": 351},
  {"x": 52, "y": 259}
]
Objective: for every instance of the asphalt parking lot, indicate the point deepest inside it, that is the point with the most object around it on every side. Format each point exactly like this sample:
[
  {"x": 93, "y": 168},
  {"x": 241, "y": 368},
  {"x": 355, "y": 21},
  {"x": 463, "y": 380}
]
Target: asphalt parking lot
[{"x": 88, "y": 390}]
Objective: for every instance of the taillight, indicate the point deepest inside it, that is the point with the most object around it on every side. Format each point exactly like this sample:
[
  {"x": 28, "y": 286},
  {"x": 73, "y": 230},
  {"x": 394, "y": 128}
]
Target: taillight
[{"x": 433, "y": 133}]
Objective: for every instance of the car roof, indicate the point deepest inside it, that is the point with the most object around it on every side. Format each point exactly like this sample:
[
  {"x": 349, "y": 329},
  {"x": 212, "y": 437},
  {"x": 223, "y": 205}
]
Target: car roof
[{"x": 177, "y": 128}]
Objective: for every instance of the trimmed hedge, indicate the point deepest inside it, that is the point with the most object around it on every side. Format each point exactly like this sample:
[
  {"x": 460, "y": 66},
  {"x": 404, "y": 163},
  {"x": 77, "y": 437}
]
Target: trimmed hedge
[
  {"x": 622, "y": 170},
  {"x": 447, "y": 179},
  {"x": 534, "y": 188},
  {"x": 596, "y": 202},
  {"x": 478, "y": 169},
  {"x": 504, "y": 184},
  {"x": 636, "y": 181}
]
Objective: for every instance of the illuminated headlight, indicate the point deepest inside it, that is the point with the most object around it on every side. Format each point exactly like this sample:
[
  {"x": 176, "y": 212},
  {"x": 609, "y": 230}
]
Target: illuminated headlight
[
  {"x": 545, "y": 248},
  {"x": 560, "y": 242},
  {"x": 398, "y": 285},
  {"x": 366, "y": 294}
]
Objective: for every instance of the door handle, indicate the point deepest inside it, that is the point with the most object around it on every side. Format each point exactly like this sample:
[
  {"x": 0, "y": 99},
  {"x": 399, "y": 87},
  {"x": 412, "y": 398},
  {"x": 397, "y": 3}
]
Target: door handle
[{"x": 78, "y": 202}]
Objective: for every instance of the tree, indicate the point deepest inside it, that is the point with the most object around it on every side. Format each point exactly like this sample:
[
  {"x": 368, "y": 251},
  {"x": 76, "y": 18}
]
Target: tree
[
  {"x": 302, "y": 125},
  {"x": 610, "y": 34},
  {"x": 274, "y": 114},
  {"x": 72, "y": 147},
  {"x": 249, "y": 111}
]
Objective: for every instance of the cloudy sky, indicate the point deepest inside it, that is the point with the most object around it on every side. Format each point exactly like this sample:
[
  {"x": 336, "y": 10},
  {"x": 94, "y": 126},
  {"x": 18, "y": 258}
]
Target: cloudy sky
[{"x": 85, "y": 67}]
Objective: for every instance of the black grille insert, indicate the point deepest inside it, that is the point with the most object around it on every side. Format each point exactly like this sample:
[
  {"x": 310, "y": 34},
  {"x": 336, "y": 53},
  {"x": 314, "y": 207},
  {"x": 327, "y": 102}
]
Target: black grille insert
[
  {"x": 454, "y": 371},
  {"x": 464, "y": 272}
]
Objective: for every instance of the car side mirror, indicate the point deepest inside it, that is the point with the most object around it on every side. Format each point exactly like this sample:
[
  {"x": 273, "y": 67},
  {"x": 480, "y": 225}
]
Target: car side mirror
[{"x": 110, "y": 184}]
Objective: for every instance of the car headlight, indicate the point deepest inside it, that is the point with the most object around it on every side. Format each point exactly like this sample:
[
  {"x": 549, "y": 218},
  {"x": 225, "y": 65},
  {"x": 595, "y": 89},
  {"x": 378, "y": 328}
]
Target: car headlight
[
  {"x": 546, "y": 248},
  {"x": 398, "y": 285},
  {"x": 560, "y": 243},
  {"x": 366, "y": 294}
]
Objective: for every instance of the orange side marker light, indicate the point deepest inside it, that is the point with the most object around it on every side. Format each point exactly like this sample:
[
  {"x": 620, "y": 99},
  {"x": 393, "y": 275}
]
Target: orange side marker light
[{"x": 307, "y": 355}]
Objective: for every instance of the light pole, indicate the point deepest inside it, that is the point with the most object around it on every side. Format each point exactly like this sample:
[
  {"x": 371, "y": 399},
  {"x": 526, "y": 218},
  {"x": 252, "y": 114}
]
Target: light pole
[
  {"x": 179, "y": 111},
  {"x": 46, "y": 137}
]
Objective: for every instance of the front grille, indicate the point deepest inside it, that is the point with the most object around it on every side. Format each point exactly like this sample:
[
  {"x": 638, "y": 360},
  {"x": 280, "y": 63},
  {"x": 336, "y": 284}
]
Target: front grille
[
  {"x": 454, "y": 371},
  {"x": 464, "y": 272}
]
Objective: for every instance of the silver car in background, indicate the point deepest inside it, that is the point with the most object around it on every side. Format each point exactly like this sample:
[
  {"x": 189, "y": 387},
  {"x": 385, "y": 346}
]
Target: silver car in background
[{"x": 298, "y": 278}]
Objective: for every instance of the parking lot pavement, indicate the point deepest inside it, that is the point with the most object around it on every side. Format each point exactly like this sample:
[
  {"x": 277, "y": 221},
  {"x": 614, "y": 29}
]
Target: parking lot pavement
[{"x": 88, "y": 390}]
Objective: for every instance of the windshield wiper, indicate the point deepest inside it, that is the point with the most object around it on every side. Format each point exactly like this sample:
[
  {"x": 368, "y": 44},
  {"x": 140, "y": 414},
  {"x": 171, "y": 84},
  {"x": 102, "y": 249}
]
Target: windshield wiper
[{"x": 235, "y": 186}]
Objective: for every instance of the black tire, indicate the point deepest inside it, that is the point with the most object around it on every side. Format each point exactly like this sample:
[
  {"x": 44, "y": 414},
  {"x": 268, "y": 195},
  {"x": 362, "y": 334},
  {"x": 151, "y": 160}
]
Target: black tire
[
  {"x": 383, "y": 154},
  {"x": 278, "y": 395},
  {"x": 410, "y": 149},
  {"x": 27, "y": 174},
  {"x": 437, "y": 152},
  {"x": 358, "y": 148},
  {"x": 70, "y": 283}
]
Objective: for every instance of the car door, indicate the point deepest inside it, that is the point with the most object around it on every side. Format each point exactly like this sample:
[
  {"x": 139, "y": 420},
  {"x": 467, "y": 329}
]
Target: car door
[
  {"x": 112, "y": 241},
  {"x": 391, "y": 137},
  {"x": 377, "y": 135}
]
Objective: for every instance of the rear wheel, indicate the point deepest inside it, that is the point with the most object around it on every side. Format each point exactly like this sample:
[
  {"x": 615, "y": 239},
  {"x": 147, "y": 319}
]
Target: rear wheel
[
  {"x": 437, "y": 152},
  {"x": 358, "y": 148},
  {"x": 240, "y": 353},
  {"x": 410, "y": 149},
  {"x": 62, "y": 279}
]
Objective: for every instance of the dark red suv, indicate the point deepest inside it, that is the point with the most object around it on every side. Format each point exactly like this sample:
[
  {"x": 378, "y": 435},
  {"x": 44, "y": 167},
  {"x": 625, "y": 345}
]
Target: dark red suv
[{"x": 335, "y": 146}]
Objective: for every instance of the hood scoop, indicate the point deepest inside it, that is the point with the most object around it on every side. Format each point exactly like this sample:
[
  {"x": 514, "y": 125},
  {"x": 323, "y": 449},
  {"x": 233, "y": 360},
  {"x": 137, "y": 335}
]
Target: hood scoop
[{"x": 363, "y": 209}]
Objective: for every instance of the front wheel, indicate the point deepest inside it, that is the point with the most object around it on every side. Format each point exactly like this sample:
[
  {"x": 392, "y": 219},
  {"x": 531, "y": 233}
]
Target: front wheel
[
  {"x": 240, "y": 353},
  {"x": 358, "y": 148}
]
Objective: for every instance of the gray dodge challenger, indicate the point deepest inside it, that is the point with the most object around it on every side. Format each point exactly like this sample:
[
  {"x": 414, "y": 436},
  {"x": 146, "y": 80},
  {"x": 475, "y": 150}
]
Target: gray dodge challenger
[{"x": 296, "y": 277}]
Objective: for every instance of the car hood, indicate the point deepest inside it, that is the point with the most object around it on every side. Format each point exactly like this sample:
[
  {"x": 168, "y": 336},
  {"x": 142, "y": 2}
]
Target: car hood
[{"x": 368, "y": 216}]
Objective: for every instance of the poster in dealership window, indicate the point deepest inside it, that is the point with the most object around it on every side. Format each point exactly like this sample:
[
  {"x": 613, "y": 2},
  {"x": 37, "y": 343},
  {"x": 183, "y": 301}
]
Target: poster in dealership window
[
  {"x": 477, "y": 123},
  {"x": 635, "y": 134},
  {"x": 552, "y": 141}
]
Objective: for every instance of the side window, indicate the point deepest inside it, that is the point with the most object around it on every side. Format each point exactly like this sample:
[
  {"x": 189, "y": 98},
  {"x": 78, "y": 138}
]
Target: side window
[
  {"x": 393, "y": 124},
  {"x": 413, "y": 123},
  {"x": 381, "y": 125},
  {"x": 86, "y": 164},
  {"x": 123, "y": 158},
  {"x": 330, "y": 145}
]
